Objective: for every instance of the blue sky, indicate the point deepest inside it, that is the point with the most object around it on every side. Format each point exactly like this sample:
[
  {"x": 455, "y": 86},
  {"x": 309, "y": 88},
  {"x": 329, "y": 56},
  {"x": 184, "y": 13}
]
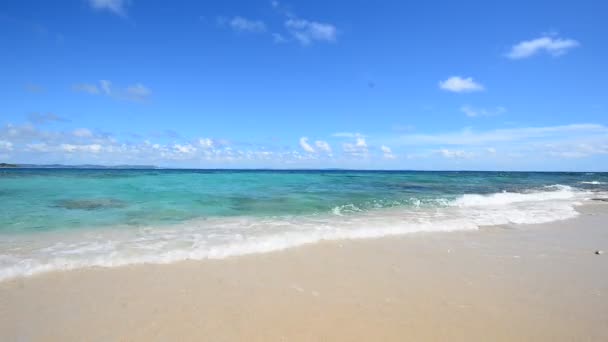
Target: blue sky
[{"x": 519, "y": 85}]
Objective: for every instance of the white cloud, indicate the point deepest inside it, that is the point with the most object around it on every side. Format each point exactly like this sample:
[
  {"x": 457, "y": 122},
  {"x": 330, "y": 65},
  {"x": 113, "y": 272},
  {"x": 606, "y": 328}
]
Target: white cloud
[
  {"x": 459, "y": 84},
  {"x": 95, "y": 148},
  {"x": 323, "y": 146},
  {"x": 305, "y": 145},
  {"x": 186, "y": 148},
  {"x": 454, "y": 153},
  {"x": 361, "y": 142},
  {"x": 347, "y": 135},
  {"x": 25, "y": 133},
  {"x": 358, "y": 149},
  {"x": 475, "y": 112},
  {"x": 577, "y": 150},
  {"x": 86, "y": 88},
  {"x": 68, "y": 147},
  {"x": 82, "y": 133},
  {"x": 137, "y": 92},
  {"x": 206, "y": 143},
  {"x": 117, "y": 7},
  {"x": 106, "y": 86},
  {"x": 87, "y": 148},
  {"x": 278, "y": 38},
  {"x": 37, "y": 147},
  {"x": 550, "y": 45},
  {"x": 307, "y": 32},
  {"x": 387, "y": 152},
  {"x": 241, "y": 24},
  {"x": 523, "y": 147},
  {"x": 470, "y": 137},
  {"x": 6, "y": 145}
]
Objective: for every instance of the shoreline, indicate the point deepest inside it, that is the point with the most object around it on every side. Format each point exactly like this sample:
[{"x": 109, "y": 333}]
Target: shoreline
[
  {"x": 220, "y": 237},
  {"x": 528, "y": 282}
]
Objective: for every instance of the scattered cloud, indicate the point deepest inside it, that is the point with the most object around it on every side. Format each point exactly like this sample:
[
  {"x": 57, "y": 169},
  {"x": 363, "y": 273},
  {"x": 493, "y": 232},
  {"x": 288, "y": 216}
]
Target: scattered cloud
[
  {"x": 206, "y": 143},
  {"x": 323, "y": 146},
  {"x": 82, "y": 133},
  {"x": 282, "y": 9},
  {"x": 581, "y": 150},
  {"x": 87, "y": 148},
  {"x": 358, "y": 149},
  {"x": 241, "y": 24},
  {"x": 34, "y": 142},
  {"x": 278, "y": 38},
  {"x": 37, "y": 147},
  {"x": 470, "y": 137},
  {"x": 387, "y": 153},
  {"x": 347, "y": 135},
  {"x": 86, "y": 88},
  {"x": 136, "y": 92},
  {"x": 305, "y": 145},
  {"x": 118, "y": 7},
  {"x": 454, "y": 153},
  {"x": 476, "y": 112},
  {"x": 44, "y": 118},
  {"x": 106, "y": 86},
  {"x": 403, "y": 128},
  {"x": 185, "y": 149},
  {"x": 459, "y": 84},
  {"x": 553, "y": 46},
  {"x": 6, "y": 145},
  {"x": 306, "y": 32}
]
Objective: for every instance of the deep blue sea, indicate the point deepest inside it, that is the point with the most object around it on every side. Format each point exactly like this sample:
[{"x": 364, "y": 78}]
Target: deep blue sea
[{"x": 68, "y": 218}]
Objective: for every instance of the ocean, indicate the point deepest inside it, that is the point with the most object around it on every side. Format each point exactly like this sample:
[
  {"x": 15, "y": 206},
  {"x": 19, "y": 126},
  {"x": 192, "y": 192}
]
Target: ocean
[{"x": 58, "y": 219}]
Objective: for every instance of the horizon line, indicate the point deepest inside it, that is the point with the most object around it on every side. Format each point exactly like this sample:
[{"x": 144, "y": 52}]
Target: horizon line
[{"x": 154, "y": 167}]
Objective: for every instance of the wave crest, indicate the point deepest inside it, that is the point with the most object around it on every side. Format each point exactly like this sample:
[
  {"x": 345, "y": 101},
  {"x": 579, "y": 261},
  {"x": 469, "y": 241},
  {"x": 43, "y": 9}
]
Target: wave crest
[{"x": 217, "y": 237}]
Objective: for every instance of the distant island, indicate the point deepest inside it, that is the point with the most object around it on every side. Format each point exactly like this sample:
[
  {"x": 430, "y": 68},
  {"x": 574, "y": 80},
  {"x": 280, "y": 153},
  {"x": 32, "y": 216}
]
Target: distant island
[{"x": 86, "y": 166}]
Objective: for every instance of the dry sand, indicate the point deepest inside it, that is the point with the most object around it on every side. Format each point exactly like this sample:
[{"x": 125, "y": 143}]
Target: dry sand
[{"x": 515, "y": 283}]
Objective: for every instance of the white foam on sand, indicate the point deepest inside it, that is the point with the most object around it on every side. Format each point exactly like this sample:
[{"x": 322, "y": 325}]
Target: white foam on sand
[{"x": 215, "y": 238}]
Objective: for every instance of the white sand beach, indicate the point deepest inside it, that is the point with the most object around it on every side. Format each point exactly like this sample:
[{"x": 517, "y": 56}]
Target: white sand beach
[{"x": 522, "y": 282}]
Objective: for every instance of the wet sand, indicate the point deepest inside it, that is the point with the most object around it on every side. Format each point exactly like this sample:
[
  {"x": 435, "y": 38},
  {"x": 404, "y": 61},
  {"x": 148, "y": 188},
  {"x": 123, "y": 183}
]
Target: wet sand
[{"x": 509, "y": 283}]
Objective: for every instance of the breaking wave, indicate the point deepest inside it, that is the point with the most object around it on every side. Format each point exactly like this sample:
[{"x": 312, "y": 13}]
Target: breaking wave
[{"x": 217, "y": 237}]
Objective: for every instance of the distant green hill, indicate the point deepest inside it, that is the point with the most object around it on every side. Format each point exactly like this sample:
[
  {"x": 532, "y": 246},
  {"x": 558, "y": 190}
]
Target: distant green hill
[{"x": 7, "y": 165}]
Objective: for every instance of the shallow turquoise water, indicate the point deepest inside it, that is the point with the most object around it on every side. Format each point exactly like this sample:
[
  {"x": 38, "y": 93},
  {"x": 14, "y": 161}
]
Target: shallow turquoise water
[
  {"x": 50, "y": 199},
  {"x": 61, "y": 219}
]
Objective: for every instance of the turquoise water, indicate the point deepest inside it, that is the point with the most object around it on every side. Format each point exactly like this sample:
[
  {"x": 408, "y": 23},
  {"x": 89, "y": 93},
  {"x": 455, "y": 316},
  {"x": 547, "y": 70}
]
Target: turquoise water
[
  {"x": 68, "y": 218},
  {"x": 46, "y": 199}
]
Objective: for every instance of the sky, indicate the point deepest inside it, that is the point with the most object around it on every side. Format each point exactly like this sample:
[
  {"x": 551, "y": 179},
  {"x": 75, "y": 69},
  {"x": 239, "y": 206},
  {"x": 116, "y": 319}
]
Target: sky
[{"x": 416, "y": 85}]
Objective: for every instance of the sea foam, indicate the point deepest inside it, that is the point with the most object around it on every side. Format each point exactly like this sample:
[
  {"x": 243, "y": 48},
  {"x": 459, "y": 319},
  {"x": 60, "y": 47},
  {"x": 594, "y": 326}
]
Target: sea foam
[{"x": 216, "y": 238}]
